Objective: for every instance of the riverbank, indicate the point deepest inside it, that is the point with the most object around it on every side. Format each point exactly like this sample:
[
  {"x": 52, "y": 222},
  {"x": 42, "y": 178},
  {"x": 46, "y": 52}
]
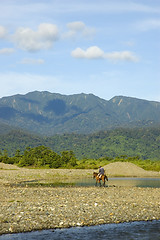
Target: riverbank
[
  {"x": 11, "y": 174},
  {"x": 26, "y": 209}
]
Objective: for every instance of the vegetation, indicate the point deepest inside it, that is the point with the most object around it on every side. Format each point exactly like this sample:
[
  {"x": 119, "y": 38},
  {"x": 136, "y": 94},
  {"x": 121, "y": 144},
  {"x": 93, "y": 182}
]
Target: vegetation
[
  {"x": 149, "y": 165},
  {"x": 42, "y": 156},
  {"x": 48, "y": 113},
  {"x": 51, "y": 113},
  {"x": 39, "y": 157},
  {"x": 144, "y": 142}
]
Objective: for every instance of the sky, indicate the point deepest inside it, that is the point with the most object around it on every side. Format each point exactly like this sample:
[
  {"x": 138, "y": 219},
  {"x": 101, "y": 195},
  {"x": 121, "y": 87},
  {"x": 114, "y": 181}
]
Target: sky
[{"x": 104, "y": 47}]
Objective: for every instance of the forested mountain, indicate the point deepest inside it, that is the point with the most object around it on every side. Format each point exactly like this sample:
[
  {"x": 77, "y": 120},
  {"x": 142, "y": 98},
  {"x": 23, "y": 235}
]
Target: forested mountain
[
  {"x": 51, "y": 113},
  {"x": 144, "y": 142},
  {"x": 89, "y": 126}
]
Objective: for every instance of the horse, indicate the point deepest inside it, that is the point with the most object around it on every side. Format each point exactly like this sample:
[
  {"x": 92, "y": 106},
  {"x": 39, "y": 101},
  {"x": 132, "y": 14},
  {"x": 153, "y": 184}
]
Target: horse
[{"x": 103, "y": 178}]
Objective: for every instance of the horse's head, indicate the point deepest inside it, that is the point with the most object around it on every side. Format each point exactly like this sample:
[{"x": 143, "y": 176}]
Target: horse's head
[{"x": 94, "y": 174}]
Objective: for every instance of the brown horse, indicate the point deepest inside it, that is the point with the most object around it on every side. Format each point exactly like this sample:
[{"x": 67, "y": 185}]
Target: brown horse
[{"x": 103, "y": 178}]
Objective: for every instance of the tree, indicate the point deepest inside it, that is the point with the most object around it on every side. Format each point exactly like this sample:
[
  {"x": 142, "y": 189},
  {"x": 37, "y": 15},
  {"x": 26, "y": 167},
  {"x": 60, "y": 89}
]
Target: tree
[
  {"x": 68, "y": 158},
  {"x": 40, "y": 156},
  {"x": 4, "y": 157}
]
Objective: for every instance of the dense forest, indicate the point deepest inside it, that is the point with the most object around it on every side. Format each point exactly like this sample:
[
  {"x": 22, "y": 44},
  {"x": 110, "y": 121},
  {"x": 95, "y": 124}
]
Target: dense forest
[
  {"x": 142, "y": 142},
  {"x": 44, "y": 157},
  {"x": 131, "y": 142},
  {"x": 40, "y": 156}
]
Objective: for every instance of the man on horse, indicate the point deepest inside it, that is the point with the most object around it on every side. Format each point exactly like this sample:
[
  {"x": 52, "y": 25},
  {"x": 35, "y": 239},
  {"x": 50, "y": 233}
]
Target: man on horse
[
  {"x": 101, "y": 172},
  {"x": 100, "y": 176}
]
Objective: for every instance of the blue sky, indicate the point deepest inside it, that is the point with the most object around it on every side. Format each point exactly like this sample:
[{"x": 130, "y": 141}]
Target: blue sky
[{"x": 104, "y": 47}]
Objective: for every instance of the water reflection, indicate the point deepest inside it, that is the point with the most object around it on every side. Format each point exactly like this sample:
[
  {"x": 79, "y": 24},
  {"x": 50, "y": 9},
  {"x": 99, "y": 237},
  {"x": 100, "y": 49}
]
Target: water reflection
[
  {"x": 135, "y": 182},
  {"x": 130, "y": 182},
  {"x": 86, "y": 182}
]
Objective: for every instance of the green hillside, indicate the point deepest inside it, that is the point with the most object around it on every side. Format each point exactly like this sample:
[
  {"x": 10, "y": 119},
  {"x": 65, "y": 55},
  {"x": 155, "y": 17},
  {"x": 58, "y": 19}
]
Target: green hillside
[
  {"x": 48, "y": 113},
  {"x": 144, "y": 142}
]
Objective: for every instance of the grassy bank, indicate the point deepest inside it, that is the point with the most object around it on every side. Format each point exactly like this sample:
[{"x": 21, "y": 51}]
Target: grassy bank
[{"x": 148, "y": 165}]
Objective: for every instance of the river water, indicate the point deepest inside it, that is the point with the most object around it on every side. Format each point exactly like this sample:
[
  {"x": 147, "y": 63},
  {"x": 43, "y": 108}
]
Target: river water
[
  {"x": 124, "y": 182},
  {"x": 123, "y": 231}
]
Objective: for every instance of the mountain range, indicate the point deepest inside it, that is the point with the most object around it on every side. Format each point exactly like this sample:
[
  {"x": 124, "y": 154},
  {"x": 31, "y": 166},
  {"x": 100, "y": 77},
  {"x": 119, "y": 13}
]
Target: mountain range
[{"x": 48, "y": 113}]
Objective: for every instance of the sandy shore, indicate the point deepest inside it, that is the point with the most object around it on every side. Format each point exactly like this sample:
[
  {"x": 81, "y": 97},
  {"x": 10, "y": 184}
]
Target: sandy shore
[{"x": 25, "y": 208}]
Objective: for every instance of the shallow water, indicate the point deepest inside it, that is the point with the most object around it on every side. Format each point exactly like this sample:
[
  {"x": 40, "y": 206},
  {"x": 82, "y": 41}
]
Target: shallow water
[
  {"x": 121, "y": 181},
  {"x": 135, "y": 182},
  {"x": 123, "y": 231}
]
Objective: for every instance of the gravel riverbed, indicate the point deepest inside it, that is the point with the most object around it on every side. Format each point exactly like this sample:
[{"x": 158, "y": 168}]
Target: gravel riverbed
[{"x": 26, "y": 207}]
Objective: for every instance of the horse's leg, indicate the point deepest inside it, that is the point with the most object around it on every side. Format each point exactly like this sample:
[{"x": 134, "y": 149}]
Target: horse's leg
[
  {"x": 96, "y": 182},
  {"x": 104, "y": 183},
  {"x": 100, "y": 183}
]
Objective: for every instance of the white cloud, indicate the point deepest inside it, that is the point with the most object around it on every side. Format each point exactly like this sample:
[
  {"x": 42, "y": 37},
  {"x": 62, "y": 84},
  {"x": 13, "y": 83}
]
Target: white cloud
[
  {"x": 103, "y": 6},
  {"x": 95, "y": 52},
  {"x": 6, "y": 51},
  {"x": 79, "y": 28},
  {"x": 3, "y": 32},
  {"x": 76, "y": 26},
  {"x": 122, "y": 56},
  {"x": 132, "y": 6},
  {"x": 32, "y": 41},
  {"x": 28, "y": 9},
  {"x": 32, "y": 61},
  {"x": 149, "y": 24}
]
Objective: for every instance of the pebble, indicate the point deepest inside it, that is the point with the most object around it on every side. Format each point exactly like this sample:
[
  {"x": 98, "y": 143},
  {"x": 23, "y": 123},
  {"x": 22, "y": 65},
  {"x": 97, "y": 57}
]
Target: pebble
[{"x": 26, "y": 209}]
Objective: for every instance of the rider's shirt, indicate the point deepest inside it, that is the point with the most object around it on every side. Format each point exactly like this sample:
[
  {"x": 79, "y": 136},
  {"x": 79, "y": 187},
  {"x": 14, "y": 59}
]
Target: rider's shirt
[{"x": 101, "y": 171}]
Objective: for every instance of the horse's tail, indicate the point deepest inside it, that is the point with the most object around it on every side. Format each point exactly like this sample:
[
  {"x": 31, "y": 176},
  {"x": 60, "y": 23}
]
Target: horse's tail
[{"x": 106, "y": 177}]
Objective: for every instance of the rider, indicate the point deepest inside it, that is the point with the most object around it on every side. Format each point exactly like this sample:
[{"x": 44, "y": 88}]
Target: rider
[{"x": 101, "y": 171}]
